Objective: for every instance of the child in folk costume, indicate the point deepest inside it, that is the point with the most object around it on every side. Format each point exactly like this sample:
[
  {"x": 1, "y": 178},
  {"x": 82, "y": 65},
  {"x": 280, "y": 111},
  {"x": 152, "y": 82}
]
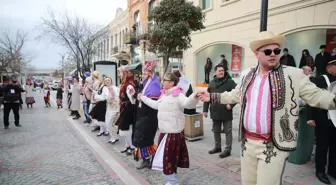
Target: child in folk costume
[
  {"x": 146, "y": 121},
  {"x": 46, "y": 96},
  {"x": 172, "y": 151},
  {"x": 127, "y": 110},
  {"x": 29, "y": 93},
  {"x": 59, "y": 96}
]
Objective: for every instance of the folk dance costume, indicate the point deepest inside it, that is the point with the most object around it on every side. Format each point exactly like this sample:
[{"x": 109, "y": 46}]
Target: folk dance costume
[
  {"x": 172, "y": 151},
  {"x": 98, "y": 112},
  {"x": 147, "y": 122},
  {"x": 127, "y": 111},
  {"x": 29, "y": 93},
  {"x": 46, "y": 96},
  {"x": 112, "y": 110},
  {"x": 59, "y": 97},
  {"x": 95, "y": 86},
  {"x": 268, "y": 127}
]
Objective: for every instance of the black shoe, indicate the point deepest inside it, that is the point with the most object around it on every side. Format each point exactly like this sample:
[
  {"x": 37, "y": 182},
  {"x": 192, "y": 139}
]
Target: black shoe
[
  {"x": 125, "y": 150},
  {"x": 215, "y": 150},
  {"x": 332, "y": 175},
  {"x": 323, "y": 178},
  {"x": 106, "y": 133},
  {"x": 222, "y": 131},
  {"x": 6, "y": 127},
  {"x": 130, "y": 151},
  {"x": 100, "y": 134},
  {"x": 144, "y": 164},
  {"x": 225, "y": 154},
  {"x": 113, "y": 141},
  {"x": 18, "y": 125},
  {"x": 75, "y": 118},
  {"x": 85, "y": 121}
]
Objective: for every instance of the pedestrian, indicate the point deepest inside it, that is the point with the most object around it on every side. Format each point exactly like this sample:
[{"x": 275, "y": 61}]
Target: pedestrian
[
  {"x": 268, "y": 127},
  {"x": 12, "y": 94},
  {"x": 30, "y": 100},
  {"x": 146, "y": 120},
  {"x": 325, "y": 130},
  {"x": 223, "y": 61},
  {"x": 287, "y": 59},
  {"x": 75, "y": 98},
  {"x": 68, "y": 92},
  {"x": 221, "y": 114},
  {"x": 127, "y": 110},
  {"x": 172, "y": 151},
  {"x": 59, "y": 96},
  {"x": 207, "y": 70},
  {"x": 306, "y": 59},
  {"x": 21, "y": 101},
  {"x": 46, "y": 96},
  {"x": 321, "y": 60}
]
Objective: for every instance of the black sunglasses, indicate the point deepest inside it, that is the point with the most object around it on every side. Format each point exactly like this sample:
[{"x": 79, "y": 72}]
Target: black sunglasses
[{"x": 268, "y": 52}]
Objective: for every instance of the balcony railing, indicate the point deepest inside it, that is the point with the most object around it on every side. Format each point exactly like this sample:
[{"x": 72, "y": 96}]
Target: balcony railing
[
  {"x": 130, "y": 38},
  {"x": 144, "y": 30}
]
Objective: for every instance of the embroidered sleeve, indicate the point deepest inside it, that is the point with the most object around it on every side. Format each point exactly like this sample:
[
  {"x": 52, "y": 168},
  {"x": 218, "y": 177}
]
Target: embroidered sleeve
[{"x": 215, "y": 98}]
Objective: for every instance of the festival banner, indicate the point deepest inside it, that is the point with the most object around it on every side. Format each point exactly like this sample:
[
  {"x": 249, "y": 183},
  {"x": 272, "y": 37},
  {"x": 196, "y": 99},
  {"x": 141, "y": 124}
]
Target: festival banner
[
  {"x": 331, "y": 40},
  {"x": 236, "y": 58}
]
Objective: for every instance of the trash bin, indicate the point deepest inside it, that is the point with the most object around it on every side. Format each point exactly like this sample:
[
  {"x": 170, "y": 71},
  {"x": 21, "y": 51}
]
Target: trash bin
[
  {"x": 193, "y": 129},
  {"x": 305, "y": 142}
]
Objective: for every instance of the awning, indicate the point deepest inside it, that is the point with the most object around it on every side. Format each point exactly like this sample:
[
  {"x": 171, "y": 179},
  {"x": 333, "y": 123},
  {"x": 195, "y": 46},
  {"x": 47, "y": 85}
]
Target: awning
[{"x": 137, "y": 67}]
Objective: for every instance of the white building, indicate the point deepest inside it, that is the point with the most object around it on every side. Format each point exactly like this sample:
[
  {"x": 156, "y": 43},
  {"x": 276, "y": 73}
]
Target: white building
[
  {"x": 111, "y": 43},
  {"x": 232, "y": 24}
]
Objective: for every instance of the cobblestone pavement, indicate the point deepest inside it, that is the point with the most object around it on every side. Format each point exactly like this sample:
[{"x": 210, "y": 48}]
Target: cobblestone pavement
[{"x": 46, "y": 150}]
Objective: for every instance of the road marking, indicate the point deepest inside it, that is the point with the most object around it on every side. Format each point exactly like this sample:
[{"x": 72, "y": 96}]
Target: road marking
[{"x": 118, "y": 169}]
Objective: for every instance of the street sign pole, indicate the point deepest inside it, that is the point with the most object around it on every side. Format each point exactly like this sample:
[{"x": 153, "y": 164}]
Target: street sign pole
[{"x": 263, "y": 15}]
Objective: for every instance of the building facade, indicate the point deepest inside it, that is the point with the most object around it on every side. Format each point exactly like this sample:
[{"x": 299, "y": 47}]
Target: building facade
[
  {"x": 111, "y": 41},
  {"x": 232, "y": 24}
]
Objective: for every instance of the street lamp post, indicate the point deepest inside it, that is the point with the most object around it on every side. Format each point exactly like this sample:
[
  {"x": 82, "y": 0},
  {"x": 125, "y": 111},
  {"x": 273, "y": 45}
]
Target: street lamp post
[{"x": 263, "y": 15}]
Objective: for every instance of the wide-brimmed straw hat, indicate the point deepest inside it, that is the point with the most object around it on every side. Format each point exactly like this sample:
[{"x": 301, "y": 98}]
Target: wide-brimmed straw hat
[
  {"x": 95, "y": 74},
  {"x": 267, "y": 38}
]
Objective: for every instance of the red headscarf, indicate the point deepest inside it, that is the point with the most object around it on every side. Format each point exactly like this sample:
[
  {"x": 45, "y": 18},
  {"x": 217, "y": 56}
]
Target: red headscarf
[{"x": 127, "y": 79}]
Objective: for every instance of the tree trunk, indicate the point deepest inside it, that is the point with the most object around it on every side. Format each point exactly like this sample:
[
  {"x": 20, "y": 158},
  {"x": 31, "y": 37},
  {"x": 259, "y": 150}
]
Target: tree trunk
[{"x": 165, "y": 63}]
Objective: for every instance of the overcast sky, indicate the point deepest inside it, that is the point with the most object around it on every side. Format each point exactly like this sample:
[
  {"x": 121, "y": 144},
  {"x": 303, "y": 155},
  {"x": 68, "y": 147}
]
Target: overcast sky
[{"x": 26, "y": 14}]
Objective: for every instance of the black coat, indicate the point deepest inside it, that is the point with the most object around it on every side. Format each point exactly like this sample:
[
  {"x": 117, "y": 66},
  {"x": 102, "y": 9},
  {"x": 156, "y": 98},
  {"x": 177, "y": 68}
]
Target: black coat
[
  {"x": 219, "y": 111},
  {"x": 10, "y": 97},
  {"x": 288, "y": 60},
  {"x": 145, "y": 126},
  {"x": 321, "y": 63},
  {"x": 320, "y": 116}
]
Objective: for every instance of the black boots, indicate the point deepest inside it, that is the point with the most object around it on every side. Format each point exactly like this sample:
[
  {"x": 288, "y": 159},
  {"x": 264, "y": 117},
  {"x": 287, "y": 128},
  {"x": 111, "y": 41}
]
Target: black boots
[
  {"x": 215, "y": 150},
  {"x": 144, "y": 164}
]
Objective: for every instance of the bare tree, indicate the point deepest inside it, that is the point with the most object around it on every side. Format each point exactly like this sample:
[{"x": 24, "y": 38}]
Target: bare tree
[
  {"x": 75, "y": 34},
  {"x": 11, "y": 54}
]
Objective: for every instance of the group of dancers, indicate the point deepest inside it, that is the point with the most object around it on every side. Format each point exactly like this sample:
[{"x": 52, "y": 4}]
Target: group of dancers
[{"x": 139, "y": 108}]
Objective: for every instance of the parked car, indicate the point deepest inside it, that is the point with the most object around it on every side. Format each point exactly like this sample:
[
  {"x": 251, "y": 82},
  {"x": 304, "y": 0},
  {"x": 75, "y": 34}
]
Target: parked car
[{"x": 54, "y": 85}]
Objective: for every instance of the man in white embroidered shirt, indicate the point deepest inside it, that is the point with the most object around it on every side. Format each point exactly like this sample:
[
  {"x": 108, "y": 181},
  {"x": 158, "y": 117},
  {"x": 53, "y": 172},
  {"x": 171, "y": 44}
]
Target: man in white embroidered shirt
[{"x": 268, "y": 94}]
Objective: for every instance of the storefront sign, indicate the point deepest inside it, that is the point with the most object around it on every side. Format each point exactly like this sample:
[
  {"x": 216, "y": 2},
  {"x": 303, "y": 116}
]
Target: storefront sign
[
  {"x": 331, "y": 40},
  {"x": 236, "y": 58}
]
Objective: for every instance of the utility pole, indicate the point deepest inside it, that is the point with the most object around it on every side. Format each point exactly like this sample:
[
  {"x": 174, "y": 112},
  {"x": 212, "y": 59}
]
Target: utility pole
[
  {"x": 263, "y": 15},
  {"x": 63, "y": 56}
]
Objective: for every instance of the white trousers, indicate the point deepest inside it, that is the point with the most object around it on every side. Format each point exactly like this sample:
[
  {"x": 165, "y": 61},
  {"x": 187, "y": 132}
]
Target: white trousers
[
  {"x": 262, "y": 163},
  {"x": 127, "y": 135},
  {"x": 102, "y": 126},
  {"x": 110, "y": 118}
]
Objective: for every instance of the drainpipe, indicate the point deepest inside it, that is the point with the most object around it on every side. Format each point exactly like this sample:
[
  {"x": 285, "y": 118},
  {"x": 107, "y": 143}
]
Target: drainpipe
[{"x": 263, "y": 15}]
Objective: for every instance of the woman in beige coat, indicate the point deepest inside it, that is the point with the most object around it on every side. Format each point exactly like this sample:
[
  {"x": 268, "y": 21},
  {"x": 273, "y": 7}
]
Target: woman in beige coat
[{"x": 75, "y": 98}]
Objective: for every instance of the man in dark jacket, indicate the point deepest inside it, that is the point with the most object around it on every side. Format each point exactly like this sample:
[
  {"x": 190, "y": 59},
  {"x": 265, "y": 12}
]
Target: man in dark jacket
[
  {"x": 220, "y": 113},
  {"x": 224, "y": 62},
  {"x": 12, "y": 95},
  {"x": 287, "y": 59},
  {"x": 325, "y": 131},
  {"x": 321, "y": 61}
]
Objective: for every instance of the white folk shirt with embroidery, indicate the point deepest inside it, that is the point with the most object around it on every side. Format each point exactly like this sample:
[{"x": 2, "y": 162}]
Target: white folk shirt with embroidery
[{"x": 257, "y": 116}]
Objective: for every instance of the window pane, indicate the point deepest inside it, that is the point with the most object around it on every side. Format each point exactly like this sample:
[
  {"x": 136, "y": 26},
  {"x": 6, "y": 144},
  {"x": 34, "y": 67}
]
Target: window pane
[{"x": 205, "y": 4}]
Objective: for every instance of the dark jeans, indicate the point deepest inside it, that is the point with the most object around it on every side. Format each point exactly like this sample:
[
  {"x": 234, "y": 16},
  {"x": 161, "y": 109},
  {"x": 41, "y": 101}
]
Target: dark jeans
[
  {"x": 86, "y": 106},
  {"x": 207, "y": 78},
  {"x": 325, "y": 143},
  {"x": 7, "y": 108},
  {"x": 217, "y": 128}
]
